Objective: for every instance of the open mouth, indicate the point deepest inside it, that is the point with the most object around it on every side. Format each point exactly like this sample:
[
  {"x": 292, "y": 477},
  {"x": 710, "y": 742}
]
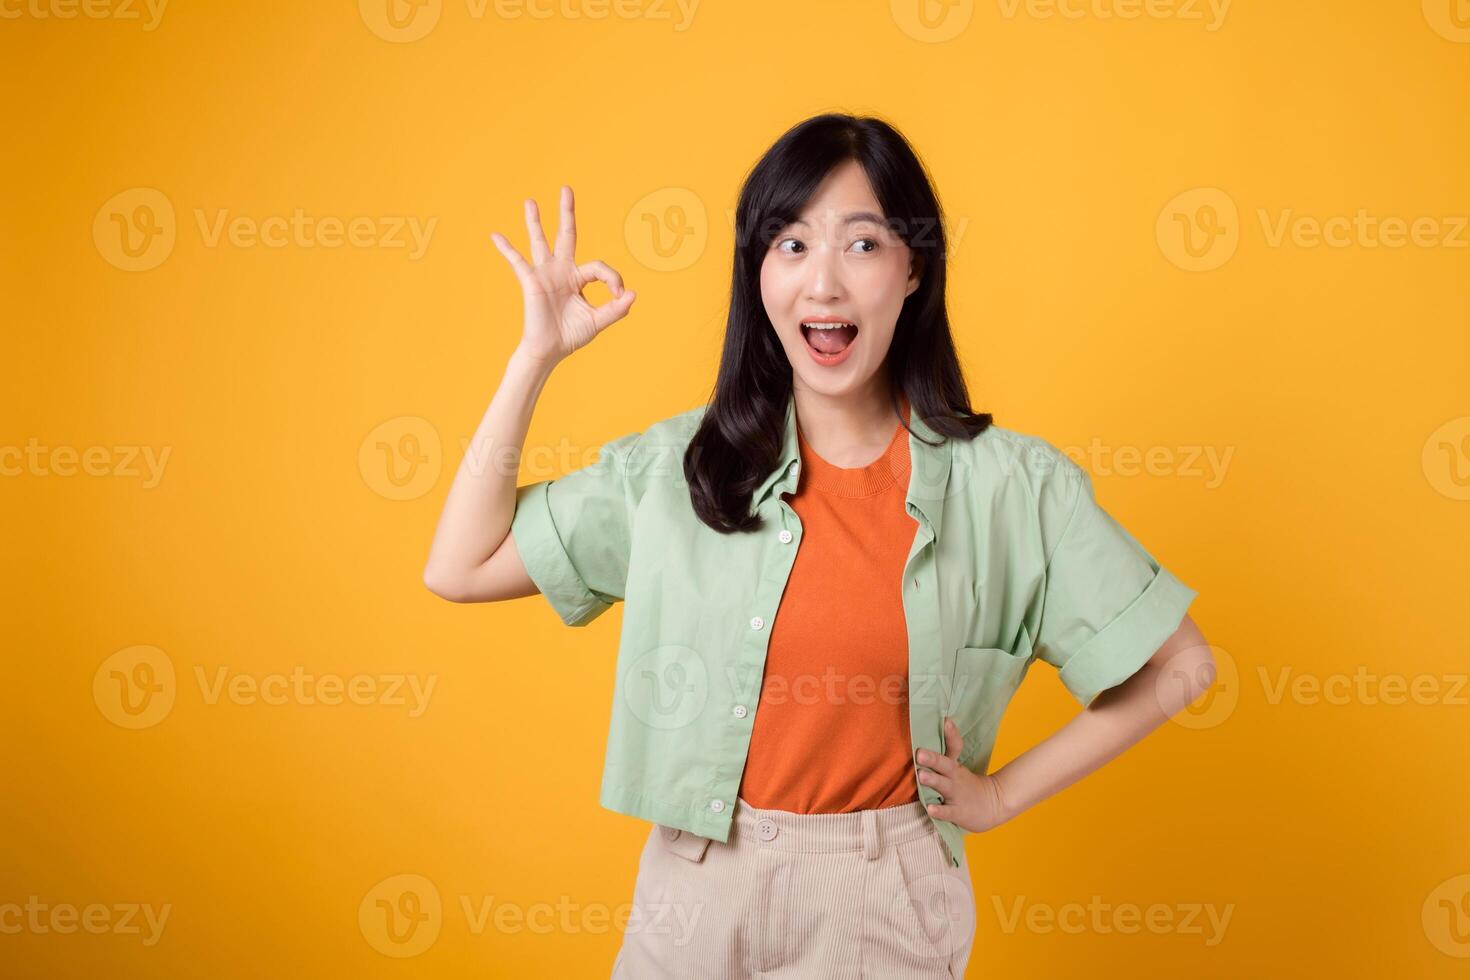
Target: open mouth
[{"x": 829, "y": 339}]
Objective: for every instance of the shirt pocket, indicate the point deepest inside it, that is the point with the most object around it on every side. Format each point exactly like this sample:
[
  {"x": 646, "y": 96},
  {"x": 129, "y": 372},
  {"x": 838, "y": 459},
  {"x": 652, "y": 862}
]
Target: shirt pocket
[{"x": 984, "y": 680}]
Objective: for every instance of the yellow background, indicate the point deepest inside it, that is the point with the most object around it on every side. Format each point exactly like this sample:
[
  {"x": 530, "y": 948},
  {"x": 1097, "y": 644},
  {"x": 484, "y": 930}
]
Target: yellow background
[{"x": 1333, "y": 834}]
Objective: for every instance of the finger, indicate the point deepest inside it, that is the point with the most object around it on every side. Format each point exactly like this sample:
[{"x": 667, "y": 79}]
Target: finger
[
  {"x": 942, "y": 784},
  {"x": 614, "y": 309},
  {"x": 540, "y": 251},
  {"x": 589, "y": 272},
  {"x": 953, "y": 744},
  {"x": 517, "y": 263},
  {"x": 944, "y": 811},
  {"x": 939, "y": 763},
  {"x": 566, "y": 232}
]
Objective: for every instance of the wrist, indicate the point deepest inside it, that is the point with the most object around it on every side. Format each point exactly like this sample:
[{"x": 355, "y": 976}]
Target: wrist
[
  {"x": 535, "y": 363},
  {"x": 1004, "y": 797}
]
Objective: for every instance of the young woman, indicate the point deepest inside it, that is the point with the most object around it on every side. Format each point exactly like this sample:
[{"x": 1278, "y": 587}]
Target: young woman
[{"x": 835, "y": 576}]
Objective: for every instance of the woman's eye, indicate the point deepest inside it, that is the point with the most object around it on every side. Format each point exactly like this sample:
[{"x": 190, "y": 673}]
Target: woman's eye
[{"x": 799, "y": 246}]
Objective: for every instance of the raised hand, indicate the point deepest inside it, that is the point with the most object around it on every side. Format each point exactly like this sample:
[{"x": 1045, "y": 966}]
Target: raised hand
[{"x": 558, "y": 317}]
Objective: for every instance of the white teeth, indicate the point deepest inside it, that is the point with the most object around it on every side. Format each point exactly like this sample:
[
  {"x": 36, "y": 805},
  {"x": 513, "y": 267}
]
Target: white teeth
[{"x": 826, "y": 326}]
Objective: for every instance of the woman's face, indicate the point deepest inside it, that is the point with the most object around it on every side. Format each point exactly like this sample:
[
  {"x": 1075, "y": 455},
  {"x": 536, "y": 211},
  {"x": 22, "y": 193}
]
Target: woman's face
[{"x": 837, "y": 261}]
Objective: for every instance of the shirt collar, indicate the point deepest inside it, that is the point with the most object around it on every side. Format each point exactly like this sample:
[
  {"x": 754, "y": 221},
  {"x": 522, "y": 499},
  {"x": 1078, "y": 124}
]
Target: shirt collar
[{"x": 929, "y": 467}]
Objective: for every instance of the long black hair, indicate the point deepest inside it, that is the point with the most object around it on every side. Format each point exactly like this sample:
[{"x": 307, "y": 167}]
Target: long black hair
[{"x": 740, "y": 437}]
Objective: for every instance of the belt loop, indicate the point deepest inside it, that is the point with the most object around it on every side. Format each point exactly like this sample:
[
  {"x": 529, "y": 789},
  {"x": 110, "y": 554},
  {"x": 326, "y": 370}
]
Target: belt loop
[
  {"x": 685, "y": 843},
  {"x": 870, "y": 834}
]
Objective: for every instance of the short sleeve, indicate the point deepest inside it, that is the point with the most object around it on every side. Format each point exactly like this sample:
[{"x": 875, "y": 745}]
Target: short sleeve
[
  {"x": 574, "y": 534},
  {"x": 1107, "y": 605}
]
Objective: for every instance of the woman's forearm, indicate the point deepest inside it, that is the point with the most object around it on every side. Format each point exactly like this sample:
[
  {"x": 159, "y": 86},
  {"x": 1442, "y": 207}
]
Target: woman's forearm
[
  {"x": 1116, "y": 719},
  {"x": 482, "y": 500}
]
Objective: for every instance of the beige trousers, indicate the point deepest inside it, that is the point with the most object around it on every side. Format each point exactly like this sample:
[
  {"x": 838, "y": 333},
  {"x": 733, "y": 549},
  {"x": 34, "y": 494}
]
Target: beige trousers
[{"x": 866, "y": 894}]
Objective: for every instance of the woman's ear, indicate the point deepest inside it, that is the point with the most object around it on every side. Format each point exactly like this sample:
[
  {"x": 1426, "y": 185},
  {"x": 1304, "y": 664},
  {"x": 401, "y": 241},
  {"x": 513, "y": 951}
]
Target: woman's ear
[{"x": 916, "y": 271}]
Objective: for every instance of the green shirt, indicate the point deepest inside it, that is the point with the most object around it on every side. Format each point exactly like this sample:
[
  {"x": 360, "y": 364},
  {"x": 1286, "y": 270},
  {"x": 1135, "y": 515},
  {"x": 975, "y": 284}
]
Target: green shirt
[{"x": 1013, "y": 561}]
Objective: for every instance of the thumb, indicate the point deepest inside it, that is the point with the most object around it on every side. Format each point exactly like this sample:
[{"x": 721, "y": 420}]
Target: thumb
[{"x": 953, "y": 744}]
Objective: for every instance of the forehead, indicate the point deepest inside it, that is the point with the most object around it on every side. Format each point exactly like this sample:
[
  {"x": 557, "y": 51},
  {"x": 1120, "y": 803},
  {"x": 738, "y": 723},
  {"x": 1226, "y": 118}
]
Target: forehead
[{"x": 843, "y": 194}]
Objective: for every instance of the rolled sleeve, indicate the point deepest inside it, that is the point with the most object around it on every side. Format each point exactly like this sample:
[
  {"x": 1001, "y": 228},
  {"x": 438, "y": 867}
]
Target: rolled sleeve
[
  {"x": 1107, "y": 605},
  {"x": 574, "y": 534}
]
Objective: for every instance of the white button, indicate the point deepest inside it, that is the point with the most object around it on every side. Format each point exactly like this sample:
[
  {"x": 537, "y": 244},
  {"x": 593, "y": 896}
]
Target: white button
[
  {"x": 785, "y": 536},
  {"x": 765, "y": 828},
  {"x": 756, "y": 622},
  {"x": 739, "y": 711},
  {"x": 717, "y": 805},
  {"x": 795, "y": 466}
]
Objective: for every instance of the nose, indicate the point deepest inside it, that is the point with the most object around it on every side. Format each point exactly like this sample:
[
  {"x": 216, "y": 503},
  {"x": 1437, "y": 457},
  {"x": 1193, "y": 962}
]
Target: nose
[{"x": 824, "y": 270}]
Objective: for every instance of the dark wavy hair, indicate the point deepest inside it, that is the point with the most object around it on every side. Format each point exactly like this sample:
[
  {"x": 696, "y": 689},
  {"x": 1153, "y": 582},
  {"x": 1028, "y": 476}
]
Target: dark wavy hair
[{"x": 740, "y": 438}]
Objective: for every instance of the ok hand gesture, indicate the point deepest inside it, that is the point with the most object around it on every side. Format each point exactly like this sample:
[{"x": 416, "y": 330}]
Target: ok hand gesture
[{"x": 558, "y": 318}]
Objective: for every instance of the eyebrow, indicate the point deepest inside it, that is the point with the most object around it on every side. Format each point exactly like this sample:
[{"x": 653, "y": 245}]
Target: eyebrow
[{"x": 851, "y": 218}]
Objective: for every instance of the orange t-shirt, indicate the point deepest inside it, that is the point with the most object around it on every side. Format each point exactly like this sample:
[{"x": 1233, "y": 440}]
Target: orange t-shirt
[{"x": 831, "y": 728}]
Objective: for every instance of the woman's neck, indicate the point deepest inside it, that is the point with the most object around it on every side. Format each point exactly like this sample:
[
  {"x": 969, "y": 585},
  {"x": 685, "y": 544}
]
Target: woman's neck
[{"x": 849, "y": 430}]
